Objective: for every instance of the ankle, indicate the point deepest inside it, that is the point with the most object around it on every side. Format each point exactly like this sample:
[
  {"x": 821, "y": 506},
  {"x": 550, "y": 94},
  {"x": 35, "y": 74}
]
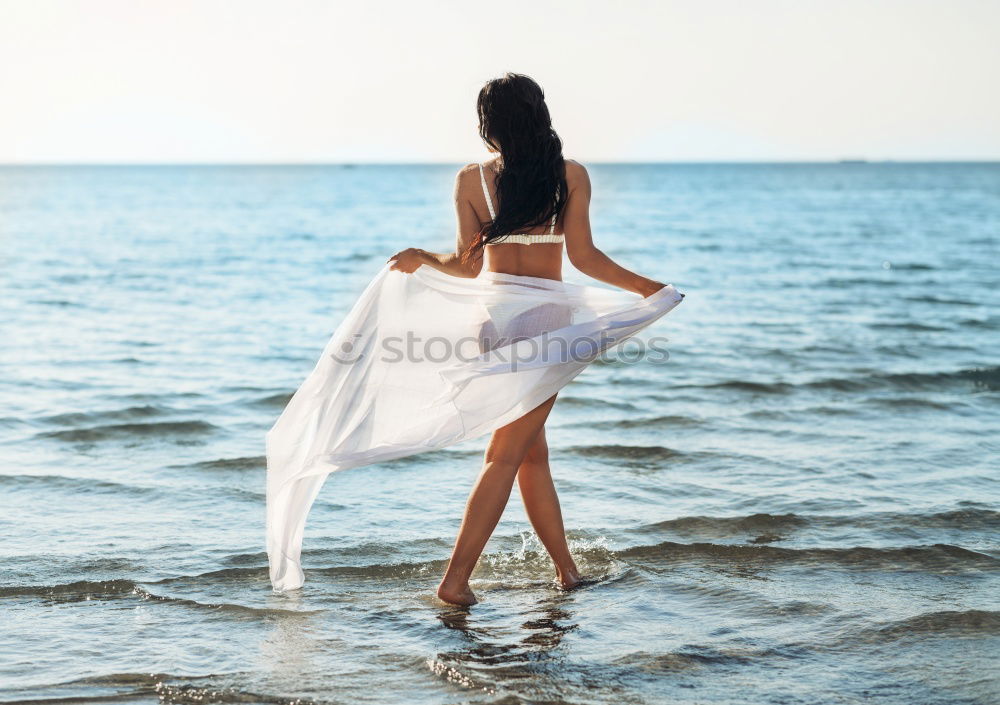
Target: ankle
[
  {"x": 454, "y": 582},
  {"x": 569, "y": 571}
]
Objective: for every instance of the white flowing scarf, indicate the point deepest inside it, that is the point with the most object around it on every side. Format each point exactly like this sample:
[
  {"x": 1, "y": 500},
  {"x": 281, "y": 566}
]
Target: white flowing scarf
[{"x": 427, "y": 360}]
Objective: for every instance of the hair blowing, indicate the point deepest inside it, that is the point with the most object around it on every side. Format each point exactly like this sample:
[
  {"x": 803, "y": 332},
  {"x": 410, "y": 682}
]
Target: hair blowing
[{"x": 531, "y": 182}]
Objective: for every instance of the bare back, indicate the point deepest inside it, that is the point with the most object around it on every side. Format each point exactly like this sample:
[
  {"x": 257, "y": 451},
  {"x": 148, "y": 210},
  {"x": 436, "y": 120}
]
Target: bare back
[{"x": 543, "y": 259}]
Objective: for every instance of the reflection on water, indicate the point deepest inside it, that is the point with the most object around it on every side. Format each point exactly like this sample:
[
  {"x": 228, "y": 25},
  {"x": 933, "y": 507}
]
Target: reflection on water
[
  {"x": 506, "y": 655},
  {"x": 290, "y": 647}
]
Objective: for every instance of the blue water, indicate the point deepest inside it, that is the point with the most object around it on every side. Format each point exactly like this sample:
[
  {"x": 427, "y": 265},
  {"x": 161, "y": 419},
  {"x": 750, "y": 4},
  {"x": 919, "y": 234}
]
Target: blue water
[{"x": 801, "y": 505}]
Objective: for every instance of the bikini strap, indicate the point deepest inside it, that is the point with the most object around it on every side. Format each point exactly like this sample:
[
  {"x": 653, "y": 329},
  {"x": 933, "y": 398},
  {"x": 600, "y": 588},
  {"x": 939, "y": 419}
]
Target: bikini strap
[{"x": 486, "y": 192}]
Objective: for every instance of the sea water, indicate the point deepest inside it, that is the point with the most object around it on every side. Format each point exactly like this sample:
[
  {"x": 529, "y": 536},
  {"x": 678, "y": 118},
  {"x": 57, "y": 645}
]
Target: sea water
[{"x": 797, "y": 503}]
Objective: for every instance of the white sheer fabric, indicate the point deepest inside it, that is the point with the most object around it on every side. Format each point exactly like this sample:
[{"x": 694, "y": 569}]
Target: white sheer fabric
[{"x": 426, "y": 360}]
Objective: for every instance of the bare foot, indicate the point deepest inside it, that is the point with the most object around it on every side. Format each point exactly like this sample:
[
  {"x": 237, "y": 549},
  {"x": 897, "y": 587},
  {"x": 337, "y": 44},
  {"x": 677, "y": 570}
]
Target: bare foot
[
  {"x": 568, "y": 580},
  {"x": 462, "y": 596}
]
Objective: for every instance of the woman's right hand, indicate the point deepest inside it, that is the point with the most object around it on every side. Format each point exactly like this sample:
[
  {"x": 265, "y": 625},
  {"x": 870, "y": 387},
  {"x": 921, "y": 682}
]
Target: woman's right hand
[{"x": 408, "y": 260}]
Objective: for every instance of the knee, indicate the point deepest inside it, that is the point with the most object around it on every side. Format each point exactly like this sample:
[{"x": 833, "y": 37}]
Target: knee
[{"x": 537, "y": 454}]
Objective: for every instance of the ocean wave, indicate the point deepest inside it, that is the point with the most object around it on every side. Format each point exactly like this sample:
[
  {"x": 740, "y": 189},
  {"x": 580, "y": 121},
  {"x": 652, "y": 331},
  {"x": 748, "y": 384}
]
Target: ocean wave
[
  {"x": 754, "y": 523},
  {"x": 966, "y": 519},
  {"x": 667, "y": 421},
  {"x": 88, "y": 485},
  {"x": 252, "y": 462},
  {"x": 79, "y": 590},
  {"x": 786, "y": 413},
  {"x": 87, "y": 591},
  {"x": 434, "y": 457},
  {"x": 430, "y": 457},
  {"x": 79, "y": 418},
  {"x": 910, "y": 326},
  {"x": 402, "y": 570},
  {"x": 941, "y": 300},
  {"x": 747, "y": 386},
  {"x": 935, "y": 558},
  {"x": 985, "y": 324},
  {"x": 852, "y": 282},
  {"x": 687, "y": 658},
  {"x": 977, "y": 377},
  {"x": 591, "y": 403},
  {"x": 224, "y": 607},
  {"x": 531, "y": 563},
  {"x": 76, "y": 484},
  {"x": 242, "y": 573},
  {"x": 162, "y": 687},
  {"x": 273, "y": 401},
  {"x": 132, "y": 430},
  {"x": 654, "y": 456},
  {"x": 948, "y": 623},
  {"x": 625, "y": 452},
  {"x": 911, "y": 403},
  {"x": 61, "y": 303}
]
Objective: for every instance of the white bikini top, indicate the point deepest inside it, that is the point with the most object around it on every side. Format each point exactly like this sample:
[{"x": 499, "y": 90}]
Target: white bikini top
[{"x": 519, "y": 238}]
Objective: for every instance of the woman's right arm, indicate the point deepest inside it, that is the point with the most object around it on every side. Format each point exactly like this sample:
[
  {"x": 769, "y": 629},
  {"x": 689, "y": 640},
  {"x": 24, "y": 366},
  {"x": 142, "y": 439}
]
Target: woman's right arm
[{"x": 580, "y": 248}]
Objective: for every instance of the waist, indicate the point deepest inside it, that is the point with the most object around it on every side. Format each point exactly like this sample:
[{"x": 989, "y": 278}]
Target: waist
[{"x": 498, "y": 271}]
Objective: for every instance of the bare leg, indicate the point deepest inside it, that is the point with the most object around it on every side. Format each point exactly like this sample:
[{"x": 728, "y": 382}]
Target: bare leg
[
  {"x": 541, "y": 503},
  {"x": 488, "y": 499}
]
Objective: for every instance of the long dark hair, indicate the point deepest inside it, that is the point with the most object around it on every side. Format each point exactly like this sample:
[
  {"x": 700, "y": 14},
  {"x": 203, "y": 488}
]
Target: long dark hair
[{"x": 531, "y": 183}]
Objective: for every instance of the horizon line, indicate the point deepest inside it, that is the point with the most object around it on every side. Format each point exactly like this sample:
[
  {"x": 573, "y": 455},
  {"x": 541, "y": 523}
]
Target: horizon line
[{"x": 356, "y": 163}]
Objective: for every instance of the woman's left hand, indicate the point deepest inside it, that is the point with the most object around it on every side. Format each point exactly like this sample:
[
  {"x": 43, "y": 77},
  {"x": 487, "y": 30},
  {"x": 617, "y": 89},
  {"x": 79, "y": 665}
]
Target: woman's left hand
[{"x": 407, "y": 260}]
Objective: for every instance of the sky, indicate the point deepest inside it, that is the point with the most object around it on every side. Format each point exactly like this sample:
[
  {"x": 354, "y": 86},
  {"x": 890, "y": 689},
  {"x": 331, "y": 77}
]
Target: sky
[{"x": 327, "y": 81}]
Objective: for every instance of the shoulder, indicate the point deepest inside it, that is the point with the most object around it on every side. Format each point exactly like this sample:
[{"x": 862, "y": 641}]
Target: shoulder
[
  {"x": 576, "y": 174},
  {"x": 468, "y": 171},
  {"x": 468, "y": 174},
  {"x": 466, "y": 177}
]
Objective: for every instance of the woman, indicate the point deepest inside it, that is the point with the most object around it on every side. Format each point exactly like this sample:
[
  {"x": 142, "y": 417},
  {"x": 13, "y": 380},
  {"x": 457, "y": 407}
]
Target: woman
[{"x": 509, "y": 212}]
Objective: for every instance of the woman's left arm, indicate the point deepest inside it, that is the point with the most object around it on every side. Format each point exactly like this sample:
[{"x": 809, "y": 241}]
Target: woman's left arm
[{"x": 467, "y": 227}]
